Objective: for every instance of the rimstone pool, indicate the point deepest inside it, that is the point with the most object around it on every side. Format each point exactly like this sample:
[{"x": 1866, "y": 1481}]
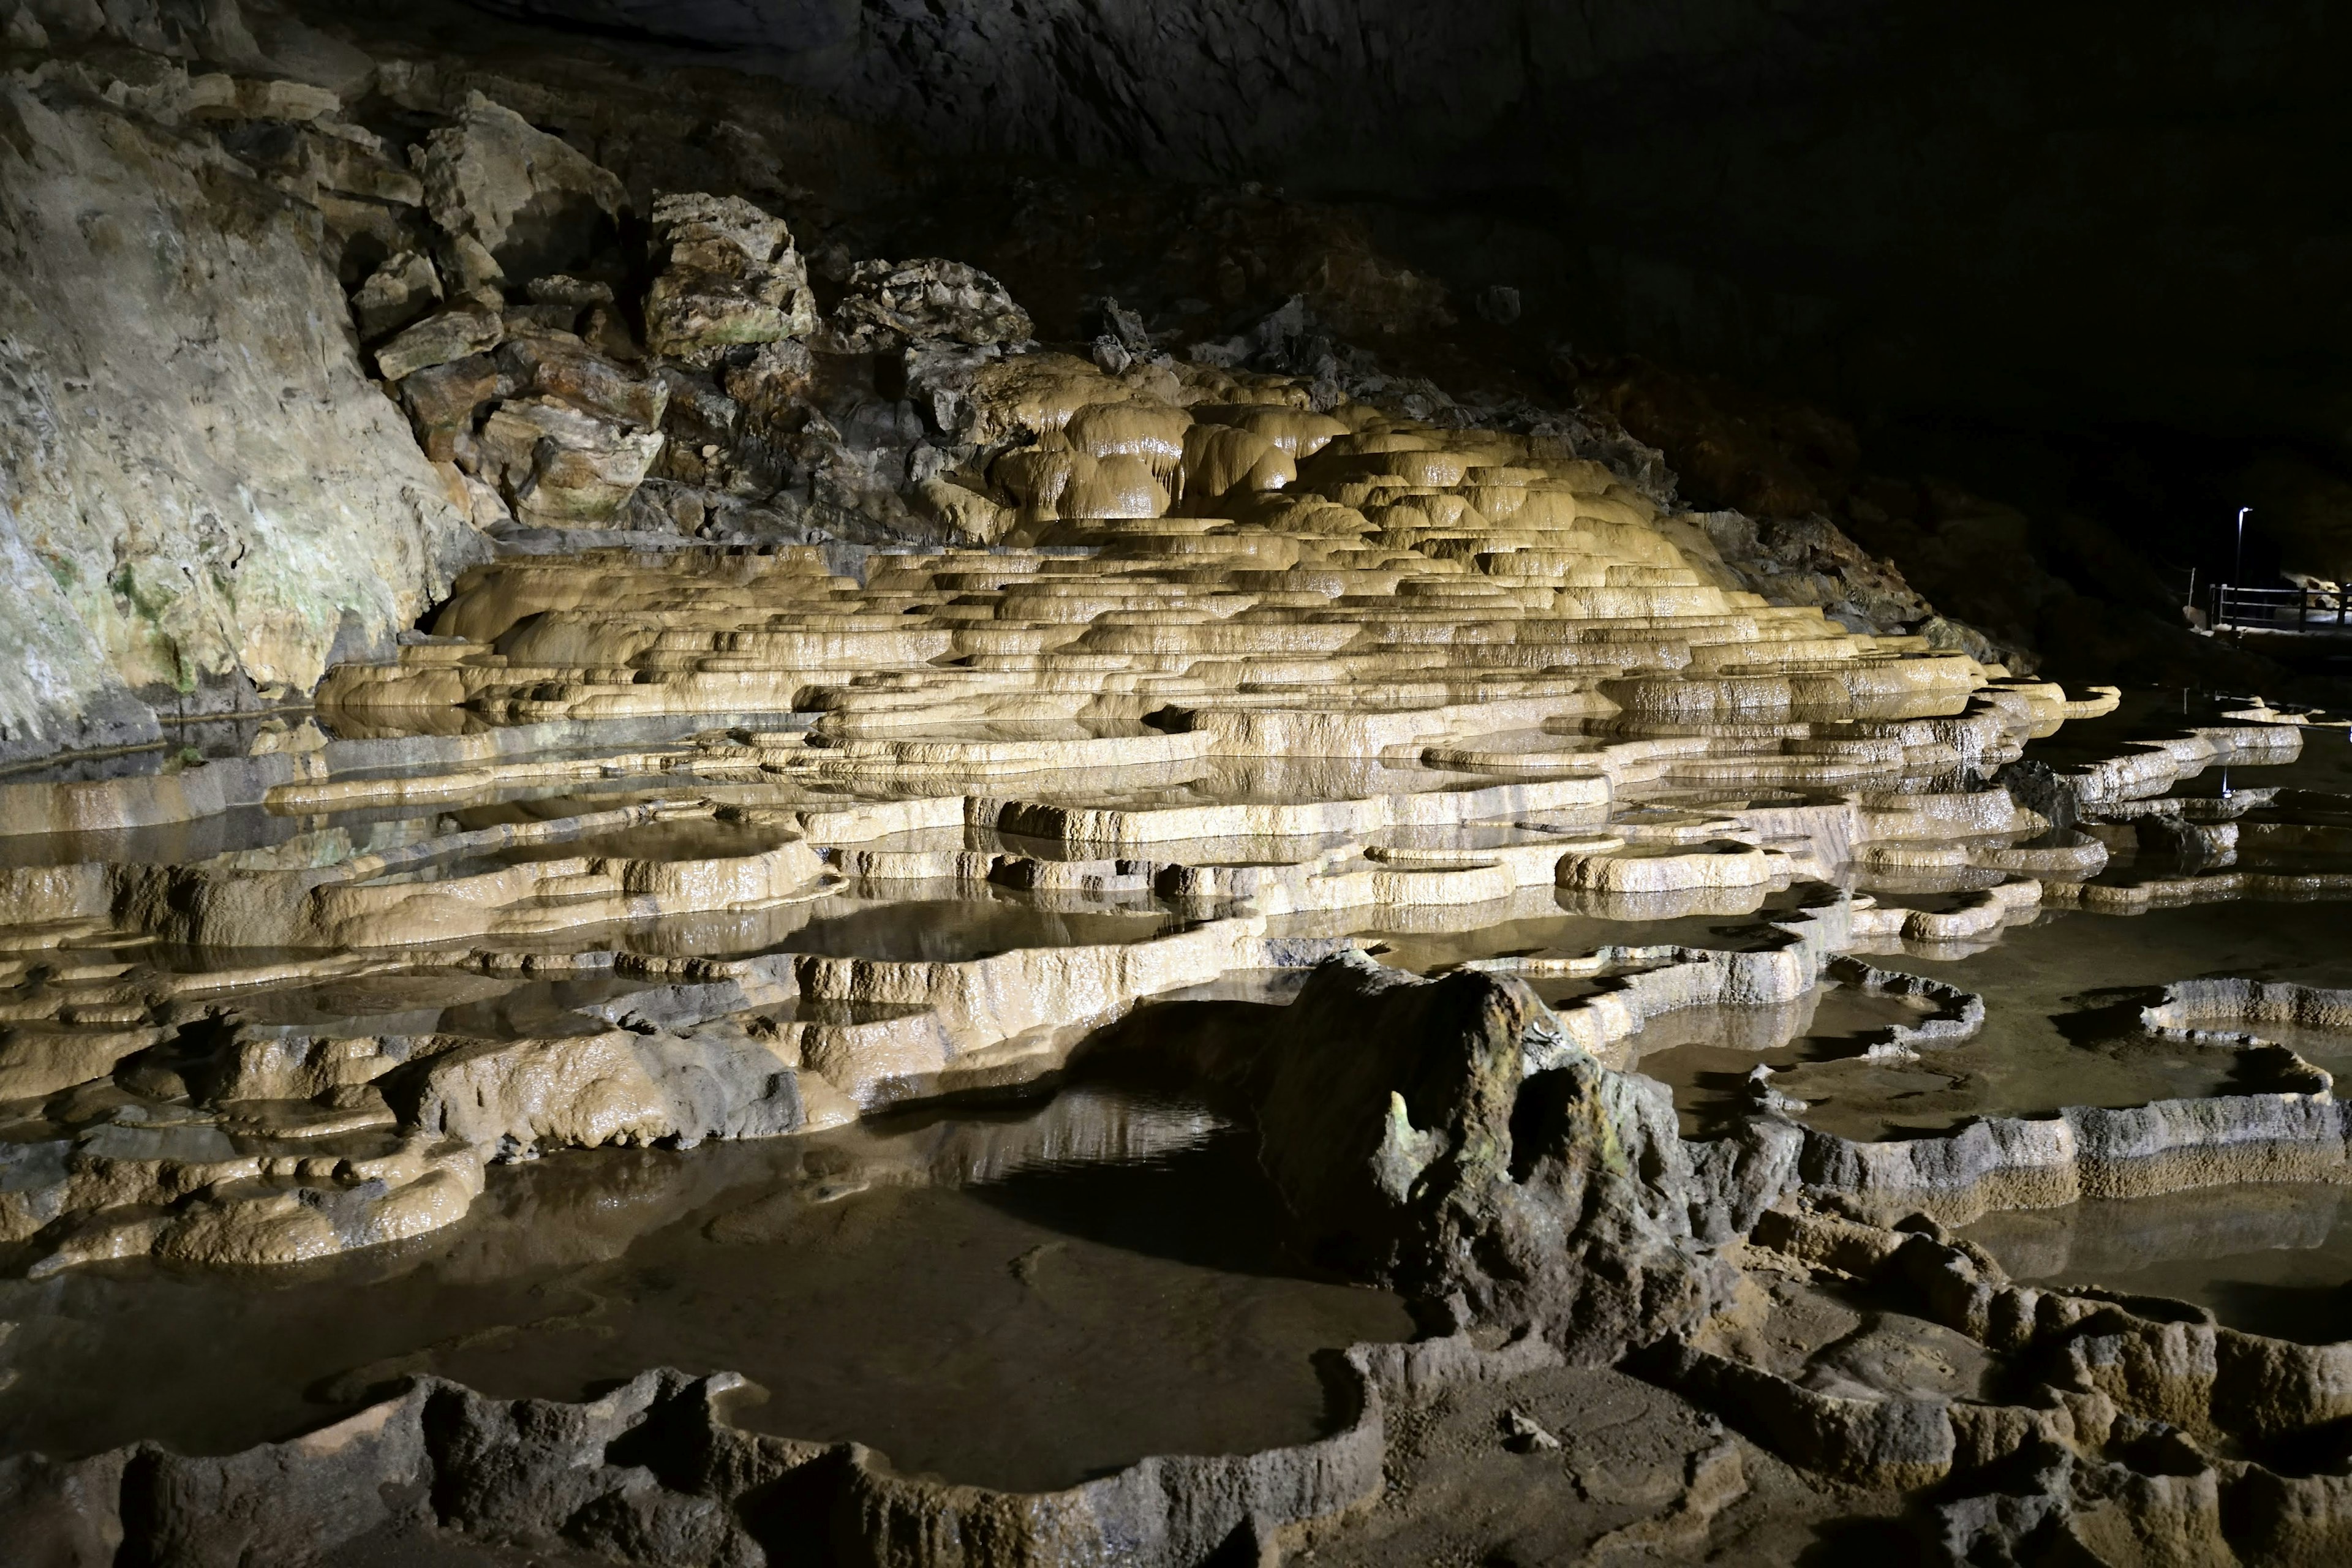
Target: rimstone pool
[
  {"x": 1315, "y": 945},
  {"x": 960, "y": 1124}
]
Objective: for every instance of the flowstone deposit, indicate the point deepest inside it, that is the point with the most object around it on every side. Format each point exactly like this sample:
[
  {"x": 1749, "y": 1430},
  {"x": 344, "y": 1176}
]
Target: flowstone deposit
[{"x": 845, "y": 726}]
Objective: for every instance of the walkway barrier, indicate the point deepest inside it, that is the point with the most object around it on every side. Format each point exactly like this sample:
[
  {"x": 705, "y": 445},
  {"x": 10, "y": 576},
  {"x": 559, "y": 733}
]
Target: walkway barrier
[{"x": 2281, "y": 609}]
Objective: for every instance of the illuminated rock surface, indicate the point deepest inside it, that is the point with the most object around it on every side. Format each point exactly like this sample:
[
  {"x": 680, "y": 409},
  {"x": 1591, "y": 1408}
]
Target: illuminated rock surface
[{"x": 1017, "y": 895}]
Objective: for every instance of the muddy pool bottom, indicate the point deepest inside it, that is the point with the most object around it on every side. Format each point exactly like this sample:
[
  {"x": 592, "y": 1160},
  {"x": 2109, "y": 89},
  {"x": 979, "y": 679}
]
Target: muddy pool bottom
[
  {"x": 2273, "y": 1258},
  {"x": 1019, "y": 1301}
]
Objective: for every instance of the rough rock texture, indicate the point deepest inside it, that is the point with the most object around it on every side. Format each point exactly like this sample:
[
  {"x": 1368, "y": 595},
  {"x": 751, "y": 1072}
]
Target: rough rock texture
[
  {"x": 890, "y": 305},
  {"x": 503, "y": 189},
  {"x": 1401, "y": 1124},
  {"x": 653, "y": 1473},
  {"x": 730, "y": 275},
  {"x": 1845, "y": 217},
  {"x": 1256, "y": 630},
  {"x": 499, "y": 295},
  {"x": 204, "y": 495}
]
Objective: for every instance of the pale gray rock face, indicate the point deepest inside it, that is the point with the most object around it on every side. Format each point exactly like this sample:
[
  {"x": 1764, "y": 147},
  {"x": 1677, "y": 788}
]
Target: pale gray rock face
[
  {"x": 204, "y": 495},
  {"x": 528, "y": 200}
]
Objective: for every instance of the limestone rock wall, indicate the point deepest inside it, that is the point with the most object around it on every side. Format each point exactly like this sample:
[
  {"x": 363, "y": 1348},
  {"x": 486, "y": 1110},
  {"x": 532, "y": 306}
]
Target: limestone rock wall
[{"x": 199, "y": 492}]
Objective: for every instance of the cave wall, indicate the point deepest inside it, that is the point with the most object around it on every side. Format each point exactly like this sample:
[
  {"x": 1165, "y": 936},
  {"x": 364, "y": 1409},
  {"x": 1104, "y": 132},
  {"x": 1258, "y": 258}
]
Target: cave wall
[
  {"x": 2058, "y": 213},
  {"x": 203, "y": 500}
]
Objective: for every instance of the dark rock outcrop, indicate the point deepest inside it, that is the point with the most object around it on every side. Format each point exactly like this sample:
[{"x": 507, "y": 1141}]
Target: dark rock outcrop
[
  {"x": 1894, "y": 207},
  {"x": 1400, "y": 1123}
]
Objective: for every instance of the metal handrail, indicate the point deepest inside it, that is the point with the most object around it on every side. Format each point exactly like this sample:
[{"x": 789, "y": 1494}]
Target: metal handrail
[{"x": 2269, "y": 609}]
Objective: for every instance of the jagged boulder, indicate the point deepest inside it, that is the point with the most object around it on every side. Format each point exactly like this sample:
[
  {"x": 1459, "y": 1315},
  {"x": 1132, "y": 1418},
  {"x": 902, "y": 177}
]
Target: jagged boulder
[
  {"x": 439, "y": 339},
  {"x": 729, "y": 277},
  {"x": 1399, "y": 1120},
  {"x": 402, "y": 289},
  {"x": 557, "y": 465},
  {"x": 515, "y": 202},
  {"x": 891, "y": 304},
  {"x": 545, "y": 429}
]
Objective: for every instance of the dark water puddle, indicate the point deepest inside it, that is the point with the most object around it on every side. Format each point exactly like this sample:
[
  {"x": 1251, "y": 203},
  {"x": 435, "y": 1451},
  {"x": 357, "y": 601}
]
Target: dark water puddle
[
  {"x": 2062, "y": 1003},
  {"x": 914, "y": 930},
  {"x": 2062, "y": 1028},
  {"x": 423, "y": 1003},
  {"x": 2329, "y": 1049},
  {"x": 1019, "y": 1301},
  {"x": 1568, "y": 935},
  {"x": 1705, "y": 1054},
  {"x": 2269, "y": 1259}
]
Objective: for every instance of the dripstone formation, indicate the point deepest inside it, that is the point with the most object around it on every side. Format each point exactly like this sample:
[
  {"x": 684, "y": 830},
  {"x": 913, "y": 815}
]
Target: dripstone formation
[{"x": 549, "y": 665}]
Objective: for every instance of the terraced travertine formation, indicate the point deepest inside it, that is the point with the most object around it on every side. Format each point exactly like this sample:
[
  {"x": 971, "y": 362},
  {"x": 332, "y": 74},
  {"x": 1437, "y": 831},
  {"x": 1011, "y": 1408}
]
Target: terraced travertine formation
[
  {"x": 853, "y": 706},
  {"x": 1371, "y": 666},
  {"x": 658, "y": 847},
  {"x": 655, "y": 846}
]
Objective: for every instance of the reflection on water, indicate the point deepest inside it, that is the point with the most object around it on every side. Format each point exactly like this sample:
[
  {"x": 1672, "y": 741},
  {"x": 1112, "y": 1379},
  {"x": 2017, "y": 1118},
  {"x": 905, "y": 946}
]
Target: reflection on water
[
  {"x": 2326, "y": 1047},
  {"x": 1705, "y": 1054},
  {"x": 2324, "y": 763},
  {"x": 919, "y": 930},
  {"x": 1557, "y": 931},
  {"x": 1016, "y": 1300},
  {"x": 2063, "y": 998},
  {"x": 2269, "y": 1259}
]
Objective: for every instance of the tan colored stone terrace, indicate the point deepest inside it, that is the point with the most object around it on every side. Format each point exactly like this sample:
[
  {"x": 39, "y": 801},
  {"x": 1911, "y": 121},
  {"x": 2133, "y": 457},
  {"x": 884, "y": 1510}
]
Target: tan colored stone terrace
[
  {"x": 1316, "y": 671},
  {"x": 1359, "y": 587}
]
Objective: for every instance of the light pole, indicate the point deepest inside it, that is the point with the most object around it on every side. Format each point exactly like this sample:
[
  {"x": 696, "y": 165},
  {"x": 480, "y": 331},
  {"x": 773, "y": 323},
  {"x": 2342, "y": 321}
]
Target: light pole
[{"x": 2237, "y": 576}]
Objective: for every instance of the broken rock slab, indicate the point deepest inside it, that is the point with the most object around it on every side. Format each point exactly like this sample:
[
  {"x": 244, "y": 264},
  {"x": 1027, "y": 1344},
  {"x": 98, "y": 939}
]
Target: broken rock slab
[
  {"x": 557, "y": 465},
  {"x": 509, "y": 194},
  {"x": 730, "y": 278},
  {"x": 892, "y": 304},
  {"x": 559, "y": 366},
  {"x": 402, "y": 290},
  {"x": 437, "y": 339}
]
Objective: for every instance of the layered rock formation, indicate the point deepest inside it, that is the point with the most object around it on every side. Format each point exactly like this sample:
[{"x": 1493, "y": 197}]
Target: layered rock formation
[{"x": 834, "y": 701}]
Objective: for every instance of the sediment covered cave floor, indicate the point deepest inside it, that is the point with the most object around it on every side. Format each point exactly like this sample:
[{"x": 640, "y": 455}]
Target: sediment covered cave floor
[
  {"x": 320, "y": 1049},
  {"x": 300, "y": 1133}
]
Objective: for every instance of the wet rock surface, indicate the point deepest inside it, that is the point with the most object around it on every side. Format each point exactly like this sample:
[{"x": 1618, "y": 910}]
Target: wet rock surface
[{"x": 1595, "y": 950}]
